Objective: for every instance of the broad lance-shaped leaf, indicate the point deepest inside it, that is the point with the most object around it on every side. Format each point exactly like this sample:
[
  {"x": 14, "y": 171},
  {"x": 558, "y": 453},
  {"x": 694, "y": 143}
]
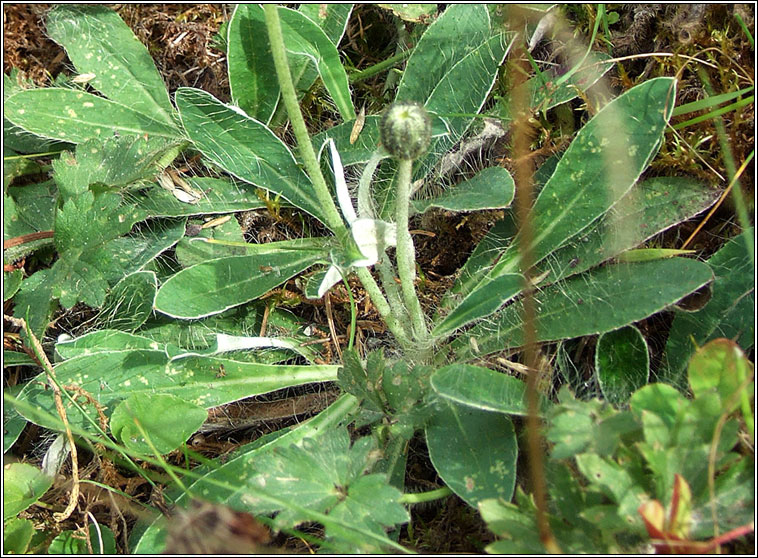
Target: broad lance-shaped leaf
[
  {"x": 220, "y": 481},
  {"x": 483, "y": 389},
  {"x": 491, "y": 188},
  {"x": 457, "y": 31},
  {"x": 650, "y": 207},
  {"x": 129, "y": 304},
  {"x": 245, "y": 148},
  {"x": 251, "y": 65},
  {"x": 214, "y": 286},
  {"x": 599, "y": 167},
  {"x": 98, "y": 42},
  {"x": 597, "y": 170},
  {"x": 23, "y": 484},
  {"x": 730, "y": 312},
  {"x": 482, "y": 302},
  {"x": 478, "y": 69},
  {"x": 595, "y": 302},
  {"x": 459, "y": 47},
  {"x": 76, "y": 116},
  {"x": 305, "y": 38},
  {"x": 474, "y": 451},
  {"x": 165, "y": 422},
  {"x": 113, "y": 376}
]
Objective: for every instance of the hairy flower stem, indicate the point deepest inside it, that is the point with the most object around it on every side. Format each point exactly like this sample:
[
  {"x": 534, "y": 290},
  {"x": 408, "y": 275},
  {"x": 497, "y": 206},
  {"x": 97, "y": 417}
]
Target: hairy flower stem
[
  {"x": 289, "y": 96},
  {"x": 522, "y": 134},
  {"x": 405, "y": 254},
  {"x": 383, "y": 307}
]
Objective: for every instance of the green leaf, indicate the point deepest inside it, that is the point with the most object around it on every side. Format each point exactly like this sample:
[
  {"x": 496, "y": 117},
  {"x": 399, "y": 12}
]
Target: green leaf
[
  {"x": 14, "y": 358},
  {"x": 127, "y": 254},
  {"x": 305, "y": 38},
  {"x": 82, "y": 227},
  {"x": 13, "y": 423},
  {"x": 75, "y": 116},
  {"x": 649, "y": 208},
  {"x": 251, "y": 65},
  {"x": 34, "y": 301},
  {"x": 364, "y": 382},
  {"x": 454, "y": 34},
  {"x": 718, "y": 369},
  {"x": 516, "y": 529},
  {"x": 245, "y": 148},
  {"x": 597, "y": 170},
  {"x": 546, "y": 95},
  {"x": 160, "y": 421},
  {"x": 129, "y": 304},
  {"x": 16, "y": 138},
  {"x": 331, "y": 18},
  {"x": 221, "y": 195},
  {"x": 600, "y": 165},
  {"x": 491, "y": 188},
  {"x": 587, "y": 426},
  {"x": 474, "y": 451},
  {"x": 23, "y": 485},
  {"x": 216, "y": 285},
  {"x": 210, "y": 244},
  {"x": 457, "y": 48},
  {"x": 616, "y": 483},
  {"x": 351, "y": 153},
  {"x": 220, "y": 483},
  {"x": 622, "y": 363},
  {"x": 326, "y": 474},
  {"x": 15, "y": 164},
  {"x": 98, "y": 42},
  {"x": 116, "y": 375},
  {"x": 17, "y": 534},
  {"x": 29, "y": 209},
  {"x": 415, "y": 13},
  {"x": 483, "y": 389},
  {"x": 592, "y": 303},
  {"x": 113, "y": 162},
  {"x": 69, "y": 542},
  {"x": 729, "y": 313},
  {"x": 102, "y": 341},
  {"x": 11, "y": 283},
  {"x": 491, "y": 295}
]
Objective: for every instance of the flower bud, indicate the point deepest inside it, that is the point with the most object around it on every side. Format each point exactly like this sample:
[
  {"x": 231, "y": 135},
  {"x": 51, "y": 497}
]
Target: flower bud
[{"x": 406, "y": 130}]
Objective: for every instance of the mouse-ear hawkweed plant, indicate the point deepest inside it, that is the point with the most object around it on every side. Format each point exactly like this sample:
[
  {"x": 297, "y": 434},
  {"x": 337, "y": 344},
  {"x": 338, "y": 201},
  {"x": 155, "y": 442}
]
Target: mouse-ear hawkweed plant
[{"x": 182, "y": 302}]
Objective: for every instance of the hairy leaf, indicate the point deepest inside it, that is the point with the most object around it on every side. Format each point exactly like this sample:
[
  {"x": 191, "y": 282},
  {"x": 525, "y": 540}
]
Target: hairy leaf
[
  {"x": 98, "y": 42},
  {"x": 245, "y": 148},
  {"x": 591, "y": 303},
  {"x": 76, "y": 116},
  {"x": 474, "y": 451}
]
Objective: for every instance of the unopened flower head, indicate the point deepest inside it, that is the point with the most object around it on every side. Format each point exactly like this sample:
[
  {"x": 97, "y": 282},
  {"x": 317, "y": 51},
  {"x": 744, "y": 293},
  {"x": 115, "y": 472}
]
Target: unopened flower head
[{"x": 406, "y": 130}]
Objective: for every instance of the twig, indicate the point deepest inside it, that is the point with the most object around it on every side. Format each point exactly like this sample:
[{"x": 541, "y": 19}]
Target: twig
[{"x": 25, "y": 238}]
